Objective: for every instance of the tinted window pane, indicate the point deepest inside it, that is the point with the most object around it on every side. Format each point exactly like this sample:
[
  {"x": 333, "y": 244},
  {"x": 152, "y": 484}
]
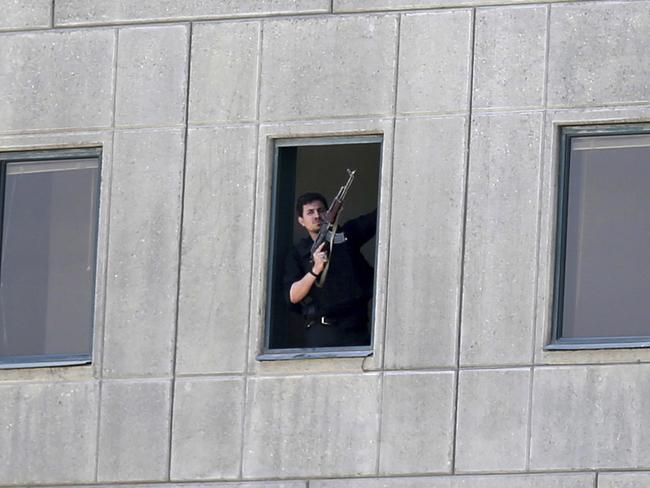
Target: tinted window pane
[
  {"x": 607, "y": 270},
  {"x": 47, "y": 263}
]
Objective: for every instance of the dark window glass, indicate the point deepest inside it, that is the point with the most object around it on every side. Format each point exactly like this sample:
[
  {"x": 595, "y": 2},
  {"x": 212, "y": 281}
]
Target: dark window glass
[
  {"x": 335, "y": 319},
  {"x": 47, "y": 267},
  {"x": 604, "y": 272}
]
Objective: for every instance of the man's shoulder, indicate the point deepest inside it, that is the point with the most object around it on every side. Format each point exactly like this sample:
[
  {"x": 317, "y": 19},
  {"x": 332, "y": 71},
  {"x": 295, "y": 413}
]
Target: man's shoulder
[
  {"x": 295, "y": 260},
  {"x": 303, "y": 247},
  {"x": 361, "y": 223},
  {"x": 369, "y": 216}
]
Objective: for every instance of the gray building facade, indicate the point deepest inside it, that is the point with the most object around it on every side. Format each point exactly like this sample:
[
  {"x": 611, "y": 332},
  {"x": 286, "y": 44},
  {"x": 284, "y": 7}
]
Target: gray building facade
[{"x": 185, "y": 100}]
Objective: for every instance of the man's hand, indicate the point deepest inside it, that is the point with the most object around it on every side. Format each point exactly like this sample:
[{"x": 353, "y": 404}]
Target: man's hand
[
  {"x": 299, "y": 289},
  {"x": 320, "y": 260}
]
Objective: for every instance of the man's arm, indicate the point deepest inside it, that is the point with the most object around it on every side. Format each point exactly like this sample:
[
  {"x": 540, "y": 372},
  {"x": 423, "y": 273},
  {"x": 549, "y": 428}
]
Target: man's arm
[
  {"x": 361, "y": 229},
  {"x": 300, "y": 289}
]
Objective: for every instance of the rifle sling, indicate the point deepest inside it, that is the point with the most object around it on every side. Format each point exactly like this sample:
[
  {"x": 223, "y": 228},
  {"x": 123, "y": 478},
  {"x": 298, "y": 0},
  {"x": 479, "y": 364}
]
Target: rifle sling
[{"x": 323, "y": 276}]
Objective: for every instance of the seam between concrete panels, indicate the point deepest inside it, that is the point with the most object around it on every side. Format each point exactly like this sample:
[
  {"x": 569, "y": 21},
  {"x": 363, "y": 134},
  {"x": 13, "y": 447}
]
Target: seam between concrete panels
[
  {"x": 307, "y": 482},
  {"x": 84, "y": 130},
  {"x": 461, "y": 277},
  {"x": 365, "y": 116},
  {"x": 99, "y": 365},
  {"x": 98, "y": 430},
  {"x": 251, "y": 352},
  {"x": 116, "y": 50},
  {"x": 258, "y": 96},
  {"x": 595, "y": 473},
  {"x": 601, "y": 105},
  {"x": 380, "y": 411},
  {"x": 229, "y": 18},
  {"x": 264, "y": 375},
  {"x": 504, "y": 108},
  {"x": 529, "y": 426},
  {"x": 536, "y": 322},
  {"x": 350, "y": 118},
  {"x": 172, "y": 387},
  {"x": 465, "y": 4},
  {"x": 289, "y": 16},
  {"x": 420, "y": 115},
  {"x": 386, "y": 218},
  {"x": 108, "y": 187},
  {"x": 540, "y": 200},
  {"x": 380, "y": 398},
  {"x": 206, "y": 18},
  {"x": 289, "y": 123},
  {"x": 547, "y": 54},
  {"x": 52, "y": 14},
  {"x": 148, "y": 126}
]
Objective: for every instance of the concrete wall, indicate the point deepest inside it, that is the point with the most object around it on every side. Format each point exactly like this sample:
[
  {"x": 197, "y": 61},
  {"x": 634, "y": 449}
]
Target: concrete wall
[{"x": 185, "y": 98}]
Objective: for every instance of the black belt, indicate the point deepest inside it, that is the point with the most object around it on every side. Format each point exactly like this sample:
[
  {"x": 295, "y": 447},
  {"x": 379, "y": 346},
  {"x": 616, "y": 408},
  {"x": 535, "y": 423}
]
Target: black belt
[
  {"x": 322, "y": 320},
  {"x": 328, "y": 320}
]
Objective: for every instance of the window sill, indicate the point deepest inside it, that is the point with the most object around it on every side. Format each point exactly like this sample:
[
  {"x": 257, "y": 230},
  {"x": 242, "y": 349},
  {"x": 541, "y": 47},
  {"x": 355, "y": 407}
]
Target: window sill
[
  {"x": 25, "y": 362},
  {"x": 316, "y": 353},
  {"x": 636, "y": 343}
]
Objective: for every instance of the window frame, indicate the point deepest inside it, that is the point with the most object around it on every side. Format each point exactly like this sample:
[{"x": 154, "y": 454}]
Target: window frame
[
  {"x": 557, "y": 342},
  {"x": 45, "y": 155},
  {"x": 280, "y": 354}
]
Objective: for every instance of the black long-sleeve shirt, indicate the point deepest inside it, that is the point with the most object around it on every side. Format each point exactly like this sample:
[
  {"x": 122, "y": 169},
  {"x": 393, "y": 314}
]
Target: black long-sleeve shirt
[{"x": 349, "y": 278}]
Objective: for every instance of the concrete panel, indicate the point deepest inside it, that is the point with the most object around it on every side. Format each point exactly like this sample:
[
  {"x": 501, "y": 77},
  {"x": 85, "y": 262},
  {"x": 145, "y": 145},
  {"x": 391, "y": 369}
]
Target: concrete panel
[
  {"x": 417, "y": 425},
  {"x": 428, "y": 184},
  {"x": 599, "y": 54},
  {"x": 223, "y": 83},
  {"x": 151, "y": 76},
  {"x": 623, "y": 480},
  {"x": 500, "y": 251},
  {"x": 216, "y": 268},
  {"x": 434, "y": 62},
  {"x": 207, "y": 429},
  {"x": 143, "y": 253},
  {"x": 332, "y": 66},
  {"x": 486, "y": 481},
  {"x": 79, "y": 12},
  {"x": 493, "y": 408},
  {"x": 55, "y": 80},
  {"x": 36, "y": 420},
  {"x": 312, "y": 426},
  {"x": 134, "y": 431},
  {"x": 510, "y": 50},
  {"x": 374, "y": 5},
  {"x": 587, "y": 417},
  {"x": 25, "y": 14}
]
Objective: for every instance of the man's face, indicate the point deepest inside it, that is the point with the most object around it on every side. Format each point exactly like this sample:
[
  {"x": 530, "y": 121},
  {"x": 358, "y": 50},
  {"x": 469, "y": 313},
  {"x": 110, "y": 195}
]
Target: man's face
[{"x": 312, "y": 213}]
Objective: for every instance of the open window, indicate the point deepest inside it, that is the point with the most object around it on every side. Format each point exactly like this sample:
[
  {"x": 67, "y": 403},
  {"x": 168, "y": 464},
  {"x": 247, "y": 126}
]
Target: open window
[
  {"x": 334, "y": 318},
  {"x": 602, "y": 272},
  {"x": 48, "y": 227}
]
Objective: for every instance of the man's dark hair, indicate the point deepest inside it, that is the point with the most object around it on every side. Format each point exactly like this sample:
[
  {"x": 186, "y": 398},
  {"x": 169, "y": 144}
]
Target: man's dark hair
[{"x": 306, "y": 198}]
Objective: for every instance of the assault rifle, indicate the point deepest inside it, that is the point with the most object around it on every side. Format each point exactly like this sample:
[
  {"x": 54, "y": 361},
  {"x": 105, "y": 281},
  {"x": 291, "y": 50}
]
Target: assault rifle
[{"x": 327, "y": 231}]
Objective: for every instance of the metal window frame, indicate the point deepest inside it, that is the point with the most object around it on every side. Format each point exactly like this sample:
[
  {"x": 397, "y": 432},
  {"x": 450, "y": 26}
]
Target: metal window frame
[
  {"x": 45, "y": 155},
  {"x": 557, "y": 342},
  {"x": 279, "y": 354}
]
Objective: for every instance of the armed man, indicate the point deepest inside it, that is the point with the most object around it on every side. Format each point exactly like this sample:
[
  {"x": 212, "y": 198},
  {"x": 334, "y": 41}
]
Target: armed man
[{"x": 327, "y": 276}]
